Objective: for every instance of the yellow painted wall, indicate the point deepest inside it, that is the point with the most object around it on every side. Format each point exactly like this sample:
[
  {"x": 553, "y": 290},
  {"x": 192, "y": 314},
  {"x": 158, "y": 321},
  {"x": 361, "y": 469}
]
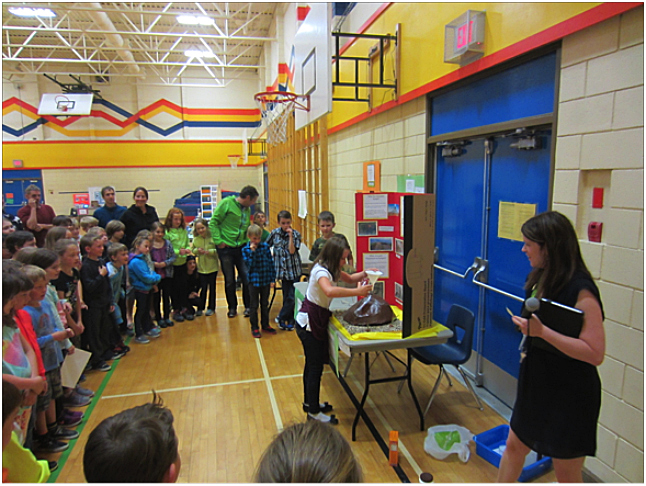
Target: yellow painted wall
[
  {"x": 49, "y": 155},
  {"x": 422, "y": 35}
]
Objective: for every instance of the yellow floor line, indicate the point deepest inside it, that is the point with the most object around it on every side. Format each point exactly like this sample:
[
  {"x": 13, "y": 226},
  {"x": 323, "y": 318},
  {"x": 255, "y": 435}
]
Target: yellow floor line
[{"x": 270, "y": 388}]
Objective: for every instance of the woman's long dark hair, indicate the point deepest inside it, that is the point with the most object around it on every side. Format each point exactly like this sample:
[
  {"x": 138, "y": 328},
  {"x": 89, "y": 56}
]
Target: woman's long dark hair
[
  {"x": 331, "y": 254},
  {"x": 554, "y": 233}
]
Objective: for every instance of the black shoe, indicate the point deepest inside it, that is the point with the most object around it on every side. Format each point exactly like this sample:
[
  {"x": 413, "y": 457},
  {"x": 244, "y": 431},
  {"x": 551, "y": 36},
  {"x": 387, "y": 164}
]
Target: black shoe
[
  {"x": 53, "y": 466},
  {"x": 189, "y": 317},
  {"x": 247, "y": 312},
  {"x": 162, "y": 323},
  {"x": 232, "y": 313},
  {"x": 102, "y": 366},
  {"x": 47, "y": 444},
  {"x": 325, "y": 407},
  {"x": 60, "y": 433}
]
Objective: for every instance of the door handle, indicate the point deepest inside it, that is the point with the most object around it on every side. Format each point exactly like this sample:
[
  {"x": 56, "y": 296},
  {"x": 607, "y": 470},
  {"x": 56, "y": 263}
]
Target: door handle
[{"x": 473, "y": 267}]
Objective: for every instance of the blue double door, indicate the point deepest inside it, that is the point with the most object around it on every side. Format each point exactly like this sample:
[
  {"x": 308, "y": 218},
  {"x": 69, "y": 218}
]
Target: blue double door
[{"x": 473, "y": 176}]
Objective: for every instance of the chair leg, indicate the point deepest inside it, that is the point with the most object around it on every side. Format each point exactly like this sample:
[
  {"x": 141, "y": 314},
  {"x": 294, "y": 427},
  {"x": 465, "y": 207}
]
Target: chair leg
[
  {"x": 347, "y": 366},
  {"x": 448, "y": 377},
  {"x": 468, "y": 384},
  {"x": 392, "y": 368},
  {"x": 435, "y": 387}
]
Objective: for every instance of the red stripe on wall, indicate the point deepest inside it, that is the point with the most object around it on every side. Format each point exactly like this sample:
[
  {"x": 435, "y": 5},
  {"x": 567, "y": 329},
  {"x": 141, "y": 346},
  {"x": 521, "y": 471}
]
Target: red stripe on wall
[
  {"x": 118, "y": 141},
  {"x": 579, "y": 22}
]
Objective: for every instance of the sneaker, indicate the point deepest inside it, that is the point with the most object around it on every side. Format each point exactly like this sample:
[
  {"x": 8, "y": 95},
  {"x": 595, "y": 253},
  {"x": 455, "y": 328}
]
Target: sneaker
[
  {"x": 209, "y": 312},
  {"x": 286, "y": 326},
  {"x": 199, "y": 313},
  {"x": 102, "y": 366},
  {"x": 75, "y": 400},
  {"x": 178, "y": 317},
  {"x": 154, "y": 333},
  {"x": 232, "y": 313},
  {"x": 189, "y": 317},
  {"x": 53, "y": 466},
  {"x": 321, "y": 417},
  {"x": 142, "y": 339},
  {"x": 247, "y": 312},
  {"x": 162, "y": 323},
  {"x": 169, "y": 323},
  {"x": 117, "y": 355},
  {"x": 61, "y": 433},
  {"x": 71, "y": 413},
  {"x": 121, "y": 348},
  {"x": 86, "y": 392},
  {"x": 255, "y": 333},
  {"x": 269, "y": 330},
  {"x": 68, "y": 421},
  {"x": 130, "y": 332},
  {"x": 47, "y": 444}
]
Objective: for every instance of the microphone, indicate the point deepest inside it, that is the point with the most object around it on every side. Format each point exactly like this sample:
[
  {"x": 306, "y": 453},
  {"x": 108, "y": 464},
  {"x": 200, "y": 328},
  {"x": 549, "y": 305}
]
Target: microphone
[{"x": 530, "y": 306}]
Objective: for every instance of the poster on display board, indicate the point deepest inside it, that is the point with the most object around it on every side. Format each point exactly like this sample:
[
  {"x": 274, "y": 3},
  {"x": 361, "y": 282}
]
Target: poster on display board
[{"x": 407, "y": 232}]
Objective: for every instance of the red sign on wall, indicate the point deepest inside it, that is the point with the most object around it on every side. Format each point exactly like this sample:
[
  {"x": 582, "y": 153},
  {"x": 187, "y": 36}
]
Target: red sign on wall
[{"x": 81, "y": 199}]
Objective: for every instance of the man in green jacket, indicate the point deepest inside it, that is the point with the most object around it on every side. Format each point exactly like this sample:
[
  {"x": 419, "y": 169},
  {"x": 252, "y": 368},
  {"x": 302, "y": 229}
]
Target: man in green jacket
[{"x": 228, "y": 228}]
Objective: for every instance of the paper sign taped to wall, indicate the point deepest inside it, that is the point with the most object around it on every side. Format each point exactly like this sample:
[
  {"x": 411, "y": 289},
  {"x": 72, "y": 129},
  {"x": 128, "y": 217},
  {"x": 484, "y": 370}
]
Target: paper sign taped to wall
[{"x": 511, "y": 217}]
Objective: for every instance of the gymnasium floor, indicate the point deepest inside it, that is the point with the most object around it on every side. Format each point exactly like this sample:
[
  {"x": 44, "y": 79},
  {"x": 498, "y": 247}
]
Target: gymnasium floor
[{"x": 230, "y": 394}]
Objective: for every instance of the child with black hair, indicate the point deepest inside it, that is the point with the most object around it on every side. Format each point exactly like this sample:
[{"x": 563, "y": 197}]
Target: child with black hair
[
  {"x": 193, "y": 285},
  {"x": 138, "y": 445},
  {"x": 100, "y": 335},
  {"x": 18, "y": 240}
]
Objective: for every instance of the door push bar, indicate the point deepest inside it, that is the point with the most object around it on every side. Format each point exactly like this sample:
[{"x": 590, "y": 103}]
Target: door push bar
[{"x": 480, "y": 267}]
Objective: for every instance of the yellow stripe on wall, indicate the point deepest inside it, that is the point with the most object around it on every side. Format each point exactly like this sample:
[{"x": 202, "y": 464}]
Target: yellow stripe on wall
[{"x": 52, "y": 155}]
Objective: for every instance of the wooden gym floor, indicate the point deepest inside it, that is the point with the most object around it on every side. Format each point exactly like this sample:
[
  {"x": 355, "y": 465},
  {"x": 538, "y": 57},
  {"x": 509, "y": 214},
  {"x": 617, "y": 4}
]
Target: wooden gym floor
[{"x": 231, "y": 394}]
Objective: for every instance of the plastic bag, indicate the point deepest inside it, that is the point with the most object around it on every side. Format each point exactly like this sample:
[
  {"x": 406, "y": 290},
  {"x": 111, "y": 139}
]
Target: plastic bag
[{"x": 444, "y": 440}]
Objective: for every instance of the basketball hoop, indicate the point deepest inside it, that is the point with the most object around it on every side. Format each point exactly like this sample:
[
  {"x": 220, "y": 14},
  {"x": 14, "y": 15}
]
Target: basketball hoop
[
  {"x": 233, "y": 160},
  {"x": 276, "y": 108}
]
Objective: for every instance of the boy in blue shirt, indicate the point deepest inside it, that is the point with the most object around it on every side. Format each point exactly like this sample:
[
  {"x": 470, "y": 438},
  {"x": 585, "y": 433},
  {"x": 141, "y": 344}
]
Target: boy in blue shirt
[
  {"x": 261, "y": 274},
  {"x": 286, "y": 242}
]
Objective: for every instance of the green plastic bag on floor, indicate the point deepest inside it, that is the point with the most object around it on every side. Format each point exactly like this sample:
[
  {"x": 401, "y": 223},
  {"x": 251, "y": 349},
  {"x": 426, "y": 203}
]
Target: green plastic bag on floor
[{"x": 444, "y": 440}]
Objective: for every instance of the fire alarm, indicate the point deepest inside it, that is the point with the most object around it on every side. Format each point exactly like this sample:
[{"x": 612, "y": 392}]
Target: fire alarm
[{"x": 594, "y": 231}]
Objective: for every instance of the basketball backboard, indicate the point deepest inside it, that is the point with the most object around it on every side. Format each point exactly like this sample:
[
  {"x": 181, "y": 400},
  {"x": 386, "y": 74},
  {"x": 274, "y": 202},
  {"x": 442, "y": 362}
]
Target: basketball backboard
[
  {"x": 313, "y": 63},
  {"x": 65, "y": 104}
]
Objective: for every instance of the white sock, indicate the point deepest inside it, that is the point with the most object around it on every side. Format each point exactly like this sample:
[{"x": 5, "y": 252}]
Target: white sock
[{"x": 321, "y": 417}]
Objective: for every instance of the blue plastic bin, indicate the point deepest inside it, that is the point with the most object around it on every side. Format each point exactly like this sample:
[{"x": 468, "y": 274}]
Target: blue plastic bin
[{"x": 487, "y": 441}]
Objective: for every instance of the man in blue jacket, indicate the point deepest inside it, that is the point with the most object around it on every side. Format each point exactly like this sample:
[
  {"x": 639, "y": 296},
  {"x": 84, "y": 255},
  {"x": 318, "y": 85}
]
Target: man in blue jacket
[{"x": 110, "y": 210}]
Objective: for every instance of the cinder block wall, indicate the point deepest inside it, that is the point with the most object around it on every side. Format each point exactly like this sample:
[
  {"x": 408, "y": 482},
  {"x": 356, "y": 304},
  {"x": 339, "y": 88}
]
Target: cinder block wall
[
  {"x": 601, "y": 144},
  {"x": 396, "y": 138}
]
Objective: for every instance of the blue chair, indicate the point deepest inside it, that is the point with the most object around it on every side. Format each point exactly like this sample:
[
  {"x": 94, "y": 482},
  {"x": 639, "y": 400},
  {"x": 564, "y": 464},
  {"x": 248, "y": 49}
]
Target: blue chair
[{"x": 455, "y": 351}]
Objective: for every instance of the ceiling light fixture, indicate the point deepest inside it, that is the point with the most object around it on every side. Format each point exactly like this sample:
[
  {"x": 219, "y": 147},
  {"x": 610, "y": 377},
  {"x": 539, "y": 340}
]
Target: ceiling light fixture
[
  {"x": 195, "y": 20},
  {"x": 32, "y": 12}
]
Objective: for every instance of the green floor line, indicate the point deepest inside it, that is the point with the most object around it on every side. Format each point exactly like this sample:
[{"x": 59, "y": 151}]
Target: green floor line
[{"x": 88, "y": 412}]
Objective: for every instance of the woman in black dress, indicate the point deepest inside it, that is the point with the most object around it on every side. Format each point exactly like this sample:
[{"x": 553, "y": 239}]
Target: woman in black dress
[
  {"x": 139, "y": 216},
  {"x": 559, "y": 395}
]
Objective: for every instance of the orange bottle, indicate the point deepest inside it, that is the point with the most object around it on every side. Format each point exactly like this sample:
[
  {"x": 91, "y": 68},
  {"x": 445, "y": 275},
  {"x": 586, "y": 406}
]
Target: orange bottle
[{"x": 393, "y": 456}]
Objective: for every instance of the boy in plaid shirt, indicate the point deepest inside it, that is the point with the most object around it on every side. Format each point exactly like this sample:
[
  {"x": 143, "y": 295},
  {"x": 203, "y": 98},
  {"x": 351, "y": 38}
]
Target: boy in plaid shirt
[
  {"x": 261, "y": 274},
  {"x": 286, "y": 242}
]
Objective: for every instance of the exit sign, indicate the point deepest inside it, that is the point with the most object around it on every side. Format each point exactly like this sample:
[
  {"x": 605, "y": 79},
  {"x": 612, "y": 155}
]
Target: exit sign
[{"x": 464, "y": 38}]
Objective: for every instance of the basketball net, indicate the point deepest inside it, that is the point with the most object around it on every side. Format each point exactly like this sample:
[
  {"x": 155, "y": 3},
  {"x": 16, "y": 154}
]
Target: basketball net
[
  {"x": 233, "y": 160},
  {"x": 276, "y": 108}
]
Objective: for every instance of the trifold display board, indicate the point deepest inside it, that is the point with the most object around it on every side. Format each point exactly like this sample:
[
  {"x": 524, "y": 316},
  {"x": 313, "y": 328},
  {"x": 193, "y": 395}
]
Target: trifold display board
[{"x": 396, "y": 235}]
